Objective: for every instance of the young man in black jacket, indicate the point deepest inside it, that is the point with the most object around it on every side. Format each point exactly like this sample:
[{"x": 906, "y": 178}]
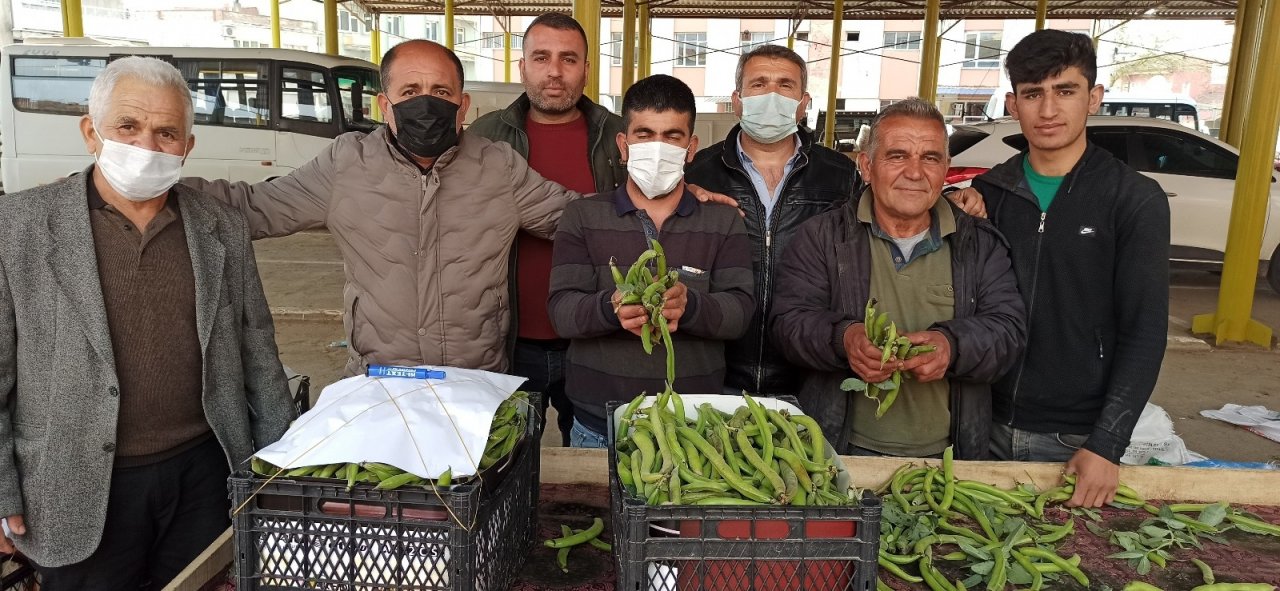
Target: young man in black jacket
[
  {"x": 780, "y": 178},
  {"x": 1090, "y": 243}
]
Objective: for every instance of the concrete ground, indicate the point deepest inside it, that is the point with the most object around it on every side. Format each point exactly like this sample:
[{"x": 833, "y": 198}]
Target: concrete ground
[{"x": 302, "y": 276}]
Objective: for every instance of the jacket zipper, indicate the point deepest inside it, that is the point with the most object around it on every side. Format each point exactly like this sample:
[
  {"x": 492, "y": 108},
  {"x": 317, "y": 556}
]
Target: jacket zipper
[
  {"x": 444, "y": 357},
  {"x": 767, "y": 265},
  {"x": 1035, "y": 281}
]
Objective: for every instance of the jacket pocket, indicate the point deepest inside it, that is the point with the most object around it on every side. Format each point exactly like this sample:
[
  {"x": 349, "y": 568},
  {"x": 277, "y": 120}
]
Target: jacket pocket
[
  {"x": 1097, "y": 337},
  {"x": 29, "y": 445}
]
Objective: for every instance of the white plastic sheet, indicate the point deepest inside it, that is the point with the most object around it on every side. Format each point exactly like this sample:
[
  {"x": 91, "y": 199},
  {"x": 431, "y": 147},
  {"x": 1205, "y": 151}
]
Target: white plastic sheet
[
  {"x": 419, "y": 426},
  {"x": 1259, "y": 419}
]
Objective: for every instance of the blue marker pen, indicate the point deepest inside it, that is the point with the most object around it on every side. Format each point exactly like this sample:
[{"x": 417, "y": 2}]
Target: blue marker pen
[{"x": 395, "y": 371}]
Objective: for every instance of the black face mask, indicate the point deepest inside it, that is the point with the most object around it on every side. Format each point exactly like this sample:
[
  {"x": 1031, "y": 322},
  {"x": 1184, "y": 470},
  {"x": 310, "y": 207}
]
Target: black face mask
[{"x": 426, "y": 126}]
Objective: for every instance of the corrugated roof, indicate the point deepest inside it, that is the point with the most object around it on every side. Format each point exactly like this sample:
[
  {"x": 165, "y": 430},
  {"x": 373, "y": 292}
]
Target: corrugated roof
[{"x": 822, "y": 9}]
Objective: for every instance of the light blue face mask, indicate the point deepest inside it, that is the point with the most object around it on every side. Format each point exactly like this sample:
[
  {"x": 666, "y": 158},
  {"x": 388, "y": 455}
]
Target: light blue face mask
[{"x": 769, "y": 118}]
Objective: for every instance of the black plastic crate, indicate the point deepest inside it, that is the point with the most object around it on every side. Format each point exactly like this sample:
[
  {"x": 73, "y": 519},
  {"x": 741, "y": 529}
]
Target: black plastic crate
[
  {"x": 312, "y": 534},
  {"x": 20, "y": 578},
  {"x": 728, "y": 548}
]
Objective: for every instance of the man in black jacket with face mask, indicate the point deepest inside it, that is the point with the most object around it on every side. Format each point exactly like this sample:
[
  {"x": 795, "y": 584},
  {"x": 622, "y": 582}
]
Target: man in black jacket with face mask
[{"x": 780, "y": 178}]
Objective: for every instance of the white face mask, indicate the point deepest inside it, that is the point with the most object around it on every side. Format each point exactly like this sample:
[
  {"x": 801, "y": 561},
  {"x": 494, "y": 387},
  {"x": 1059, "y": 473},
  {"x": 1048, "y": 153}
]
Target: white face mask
[
  {"x": 656, "y": 167},
  {"x": 136, "y": 173},
  {"x": 769, "y": 118}
]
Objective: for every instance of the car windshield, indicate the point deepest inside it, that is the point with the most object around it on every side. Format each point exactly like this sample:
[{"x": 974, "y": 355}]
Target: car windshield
[{"x": 963, "y": 138}]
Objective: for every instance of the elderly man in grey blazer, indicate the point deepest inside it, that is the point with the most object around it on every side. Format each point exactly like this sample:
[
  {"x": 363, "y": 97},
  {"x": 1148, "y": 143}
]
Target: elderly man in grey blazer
[{"x": 138, "y": 363}]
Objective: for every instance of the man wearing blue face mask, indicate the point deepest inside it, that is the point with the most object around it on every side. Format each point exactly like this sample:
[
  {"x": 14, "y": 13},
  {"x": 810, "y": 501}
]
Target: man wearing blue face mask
[
  {"x": 706, "y": 242},
  {"x": 138, "y": 362},
  {"x": 780, "y": 178}
]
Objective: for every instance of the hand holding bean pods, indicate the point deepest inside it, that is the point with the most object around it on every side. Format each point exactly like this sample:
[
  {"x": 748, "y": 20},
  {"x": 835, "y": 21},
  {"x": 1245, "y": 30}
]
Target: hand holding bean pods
[{"x": 894, "y": 349}]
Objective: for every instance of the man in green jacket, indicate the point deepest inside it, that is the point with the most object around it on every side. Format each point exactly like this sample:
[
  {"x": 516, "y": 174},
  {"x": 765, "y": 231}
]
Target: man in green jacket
[{"x": 568, "y": 139}]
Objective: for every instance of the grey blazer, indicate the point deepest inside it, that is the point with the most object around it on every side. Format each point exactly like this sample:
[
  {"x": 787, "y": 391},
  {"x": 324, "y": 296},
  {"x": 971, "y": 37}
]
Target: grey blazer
[{"x": 59, "y": 395}]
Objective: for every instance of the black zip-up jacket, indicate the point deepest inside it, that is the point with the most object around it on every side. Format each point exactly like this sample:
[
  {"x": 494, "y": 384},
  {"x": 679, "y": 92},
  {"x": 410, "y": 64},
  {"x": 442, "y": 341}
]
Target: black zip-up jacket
[
  {"x": 821, "y": 179},
  {"x": 1094, "y": 273},
  {"x": 823, "y": 285}
]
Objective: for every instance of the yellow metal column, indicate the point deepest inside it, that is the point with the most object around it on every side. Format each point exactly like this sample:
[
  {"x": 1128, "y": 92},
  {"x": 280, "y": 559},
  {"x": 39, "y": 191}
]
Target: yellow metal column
[
  {"x": 275, "y": 24},
  {"x": 928, "y": 90},
  {"x": 1042, "y": 13},
  {"x": 587, "y": 13},
  {"x": 331, "y": 27},
  {"x": 506, "y": 51},
  {"x": 448, "y": 24},
  {"x": 73, "y": 19},
  {"x": 646, "y": 54},
  {"x": 628, "y": 44},
  {"x": 833, "y": 85},
  {"x": 375, "y": 39},
  {"x": 65, "y": 25},
  {"x": 1233, "y": 321},
  {"x": 1242, "y": 72}
]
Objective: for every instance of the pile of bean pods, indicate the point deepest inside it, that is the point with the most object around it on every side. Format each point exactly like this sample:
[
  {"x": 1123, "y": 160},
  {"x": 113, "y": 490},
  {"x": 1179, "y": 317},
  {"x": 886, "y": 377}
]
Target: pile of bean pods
[
  {"x": 506, "y": 430},
  {"x": 754, "y": 456},
  {"x": 1002, "y": 536},
  {"x": 576, "y": 537}
]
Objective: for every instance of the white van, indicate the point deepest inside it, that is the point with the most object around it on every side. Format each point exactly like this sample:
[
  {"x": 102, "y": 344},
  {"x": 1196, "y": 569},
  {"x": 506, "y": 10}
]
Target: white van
[{"x": 259, "y": 113}]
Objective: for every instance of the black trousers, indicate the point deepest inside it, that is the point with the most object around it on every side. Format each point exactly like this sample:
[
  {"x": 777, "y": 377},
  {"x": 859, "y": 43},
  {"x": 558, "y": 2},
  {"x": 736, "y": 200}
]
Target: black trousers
[
  {"x": 543, "y": 363},
  {"x": 159, "y": 518}
]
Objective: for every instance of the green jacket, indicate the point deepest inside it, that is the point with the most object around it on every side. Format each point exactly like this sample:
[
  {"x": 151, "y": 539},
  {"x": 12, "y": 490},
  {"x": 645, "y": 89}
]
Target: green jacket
[{"x": 603, "y": 126}]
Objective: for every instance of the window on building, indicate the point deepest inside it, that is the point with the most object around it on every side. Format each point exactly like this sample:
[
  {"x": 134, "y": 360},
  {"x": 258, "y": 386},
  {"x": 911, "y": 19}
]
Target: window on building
[
  {"x": 802, "y": 35},
  {"x": 494, "y": 40},
  {"x": 852, "y": 35},
  {"x": 902, "y": 40},
  {"x": 351, "y": 23},
  {"x": 393, "y": 25},
  {"x": 753, "y": 40},
  {"x": 615, "y": 50},
  {"x": 982, "y": 50},
  {"x": 459, "y": 35},
  {"x": 432, "y": 32},
  {"x": 691, "y": 49},
  {"x": 249, "y": 43}
]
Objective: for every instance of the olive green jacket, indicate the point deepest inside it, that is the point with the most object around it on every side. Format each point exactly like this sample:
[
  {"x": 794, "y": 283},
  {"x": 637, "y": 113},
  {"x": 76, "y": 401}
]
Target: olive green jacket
[{"x": 602, "y": 128}]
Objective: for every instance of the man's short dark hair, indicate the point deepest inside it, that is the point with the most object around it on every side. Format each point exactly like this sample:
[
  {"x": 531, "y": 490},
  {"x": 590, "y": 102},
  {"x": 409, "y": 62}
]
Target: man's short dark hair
[
  {"x": 1047, "y": 53},
  {"x": 560, "y": 22},
  {"x": 384, "y": 71},
  {"x": 778, "y": 51},
  {"x": 659, "y": 93}
]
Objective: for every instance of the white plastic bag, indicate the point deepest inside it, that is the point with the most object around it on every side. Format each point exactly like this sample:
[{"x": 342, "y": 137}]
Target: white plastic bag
[
  {"x": 419, "y": 426},
  {"x": 1153, "y": 437}
]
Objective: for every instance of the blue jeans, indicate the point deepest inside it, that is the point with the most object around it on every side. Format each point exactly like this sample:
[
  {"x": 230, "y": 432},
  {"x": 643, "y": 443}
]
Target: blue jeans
[
  {"x": 543, "y": 363},
  {"x": 1009, "y": 443},
  {"x": 581, "y": 436}
]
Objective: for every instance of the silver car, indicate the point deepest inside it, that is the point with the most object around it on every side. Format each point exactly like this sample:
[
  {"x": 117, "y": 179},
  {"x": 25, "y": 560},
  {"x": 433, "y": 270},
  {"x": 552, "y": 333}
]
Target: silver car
[{"x": 1196, "y": 171}]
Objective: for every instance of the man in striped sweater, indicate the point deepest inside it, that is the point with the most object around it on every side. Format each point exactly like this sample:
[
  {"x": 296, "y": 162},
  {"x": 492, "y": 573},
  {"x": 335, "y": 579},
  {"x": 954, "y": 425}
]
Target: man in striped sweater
[{"x": 706, "y": 242}]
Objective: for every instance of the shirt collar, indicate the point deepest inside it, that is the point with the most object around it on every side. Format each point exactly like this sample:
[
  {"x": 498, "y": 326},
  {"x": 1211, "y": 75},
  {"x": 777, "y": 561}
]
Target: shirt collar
[
  {"x": 942, "y": 223},
  {"x": 622, "y": 202},
  {"x": 742, "y": 154}
]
